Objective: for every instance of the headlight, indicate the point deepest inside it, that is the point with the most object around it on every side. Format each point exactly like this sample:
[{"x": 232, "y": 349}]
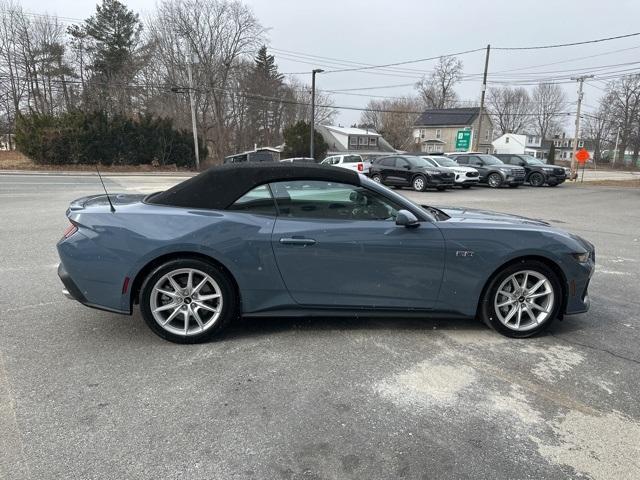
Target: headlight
[
  {"x": 431, "y": 172},
  {"x": 581, "y": 257},
  {"x": 547, "y": 169},
  {"x": 505, "y": 170}
]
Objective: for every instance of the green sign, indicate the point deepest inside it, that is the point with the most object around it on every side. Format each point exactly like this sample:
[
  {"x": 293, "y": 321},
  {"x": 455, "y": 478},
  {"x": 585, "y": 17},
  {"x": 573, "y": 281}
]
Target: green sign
[{"x": 463, "y": 140}]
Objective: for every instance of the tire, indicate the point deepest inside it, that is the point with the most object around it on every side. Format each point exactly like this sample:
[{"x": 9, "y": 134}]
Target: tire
[
  {"x": 419, "y": 183},
  {"x": 204, "y": 321},
  {"x": 536, "y": 179},
  {"x": 494, "y": 180},
  {"x": 554, "y": 184},
  {"x": 514, "y": 185},
  {"x": 441, "y": 189},
  {"x": 466, "y": 187},
  {"x": 376, "y": 178},
  {"x": 506, "y": 309}
]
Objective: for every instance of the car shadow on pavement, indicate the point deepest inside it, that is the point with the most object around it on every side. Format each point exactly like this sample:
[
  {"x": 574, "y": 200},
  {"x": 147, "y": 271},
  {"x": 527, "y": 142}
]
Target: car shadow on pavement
[{"x": 254, "y": 327}]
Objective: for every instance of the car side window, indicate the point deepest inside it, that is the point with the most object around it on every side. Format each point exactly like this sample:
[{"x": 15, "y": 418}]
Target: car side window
[
  {"x": 388, "y": 162},
  {"x": 258, "y": 201},
  {"x": 462, "y": 160},
  {"x": 316, "y": 199},
  {"x": 475, "y": 161},
  {"x": 401, "y": 162}
]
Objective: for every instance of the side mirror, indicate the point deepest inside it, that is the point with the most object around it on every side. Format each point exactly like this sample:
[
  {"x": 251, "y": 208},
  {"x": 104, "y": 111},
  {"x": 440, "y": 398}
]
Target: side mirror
[{"x": 405, "y": 218}]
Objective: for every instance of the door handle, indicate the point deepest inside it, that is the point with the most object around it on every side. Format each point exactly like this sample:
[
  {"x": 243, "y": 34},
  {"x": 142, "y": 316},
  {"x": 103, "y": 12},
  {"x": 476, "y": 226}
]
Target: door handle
[{"x": 297, "y": 241}]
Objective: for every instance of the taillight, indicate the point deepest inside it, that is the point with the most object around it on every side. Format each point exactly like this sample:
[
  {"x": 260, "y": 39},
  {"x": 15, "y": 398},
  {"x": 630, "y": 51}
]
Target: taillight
[
  {"x": 70, "y": 230},
  {"x": 360, "y": 167}
]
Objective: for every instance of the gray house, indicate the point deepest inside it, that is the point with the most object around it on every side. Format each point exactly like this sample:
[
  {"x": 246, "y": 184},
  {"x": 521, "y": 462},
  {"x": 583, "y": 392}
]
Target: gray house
[{"x": 435, "y": 130}]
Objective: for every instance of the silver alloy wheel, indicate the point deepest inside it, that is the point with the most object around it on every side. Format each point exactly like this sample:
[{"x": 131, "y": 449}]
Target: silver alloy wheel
[
  {"x": 186, "y": 302},
  {"x": 418, "y": 184},
  {"x": 494, "y": 180},
  {"x": 376, "y": 178},
  {"x": 524, "y": 300}
]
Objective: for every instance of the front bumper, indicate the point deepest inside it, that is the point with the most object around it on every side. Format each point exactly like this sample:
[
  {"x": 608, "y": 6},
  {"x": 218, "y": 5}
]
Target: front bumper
[
  {"x": 440, "y": 181},
  {"x": 555, "y": 179},
  {"x": 578, "y": 300}
]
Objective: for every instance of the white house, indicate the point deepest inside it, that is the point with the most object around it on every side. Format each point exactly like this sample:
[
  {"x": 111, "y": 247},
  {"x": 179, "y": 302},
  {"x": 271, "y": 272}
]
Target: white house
[
  {"x": 353, "y": 140},
  {"x": 510, "y": 143}
]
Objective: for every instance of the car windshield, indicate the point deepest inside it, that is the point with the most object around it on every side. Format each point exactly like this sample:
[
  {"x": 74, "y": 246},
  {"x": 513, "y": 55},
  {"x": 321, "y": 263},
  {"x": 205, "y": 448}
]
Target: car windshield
[
  {"x": 443, "y": 162},
  {"x": 352, "y": 159},
  {"x": 419, "y": 162},
  {"x": 491, "y": 160},
  {"x": 529, "y": 160}
]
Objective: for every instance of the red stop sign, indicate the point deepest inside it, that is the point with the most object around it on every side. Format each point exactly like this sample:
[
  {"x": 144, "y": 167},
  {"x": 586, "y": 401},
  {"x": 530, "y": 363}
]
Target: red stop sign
[{"x": 582, "y": 155}]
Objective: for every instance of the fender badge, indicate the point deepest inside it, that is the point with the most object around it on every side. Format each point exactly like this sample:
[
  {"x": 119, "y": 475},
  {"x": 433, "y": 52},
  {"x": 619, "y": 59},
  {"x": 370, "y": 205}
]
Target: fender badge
[{"x": 464, "y": 253}]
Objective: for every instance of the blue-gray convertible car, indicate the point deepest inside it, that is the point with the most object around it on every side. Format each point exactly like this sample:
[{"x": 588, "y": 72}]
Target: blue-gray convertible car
[{"x": 281, "y": 239}]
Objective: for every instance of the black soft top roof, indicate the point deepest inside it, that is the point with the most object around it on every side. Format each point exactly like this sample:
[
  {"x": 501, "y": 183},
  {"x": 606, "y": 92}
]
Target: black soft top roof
[{"x": 218, "y": 187}]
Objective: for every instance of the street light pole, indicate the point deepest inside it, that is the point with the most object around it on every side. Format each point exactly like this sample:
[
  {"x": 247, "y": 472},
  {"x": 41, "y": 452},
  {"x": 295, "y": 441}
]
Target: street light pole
[
  {"x": 313, "y": 109},
  {"x": 580, "y": 80},
  {"x": 193, "y": 111}
]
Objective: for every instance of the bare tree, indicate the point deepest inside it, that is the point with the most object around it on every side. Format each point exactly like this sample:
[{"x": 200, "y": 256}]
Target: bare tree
[
  {"x": 548, "y": 101},
  {"x": 392, "y": 118},
  {"x": 437, "y": 90},
  {"x": 598, "y": 128},
  {"x": 623, "y": 99},
  {"x": 510, "y": 109},
  {"x": 324, "y": 113},
  {"x": 214, "y": 35}
]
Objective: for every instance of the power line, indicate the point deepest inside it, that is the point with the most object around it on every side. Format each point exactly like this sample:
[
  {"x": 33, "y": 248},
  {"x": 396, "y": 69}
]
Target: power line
[{"x": 559, "y": 45}]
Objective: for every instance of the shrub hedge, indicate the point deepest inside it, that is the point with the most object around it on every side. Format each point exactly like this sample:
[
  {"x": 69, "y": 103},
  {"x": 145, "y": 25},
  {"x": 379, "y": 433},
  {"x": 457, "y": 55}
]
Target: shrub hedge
[{"x": 93, "y": 137}]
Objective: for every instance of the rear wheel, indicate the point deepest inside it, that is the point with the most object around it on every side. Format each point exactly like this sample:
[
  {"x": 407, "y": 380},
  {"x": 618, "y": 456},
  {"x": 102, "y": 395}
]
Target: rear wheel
[
  {"x": 536, "y": 179},
  {"x": 188, "y": 301},
  {"x": 522, "y": 300},
  {"x": 419, "y": 183},
  {"x": 494, "y": 180},
  {"x": 376, "y": 178}
]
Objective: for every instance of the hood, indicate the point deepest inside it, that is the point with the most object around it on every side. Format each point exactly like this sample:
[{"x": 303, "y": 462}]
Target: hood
[{"x": 485, "y": 216}]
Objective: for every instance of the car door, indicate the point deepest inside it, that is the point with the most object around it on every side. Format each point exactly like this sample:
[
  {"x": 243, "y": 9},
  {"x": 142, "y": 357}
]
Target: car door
[
  {"x": 403, "y": 171},
  {"x": 388, "y": 171},
  {"x": 477, "y": 163},
  {"x": 338, "y": 245}
]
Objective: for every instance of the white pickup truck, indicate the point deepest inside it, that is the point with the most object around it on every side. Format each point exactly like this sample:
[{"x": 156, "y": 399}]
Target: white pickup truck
[{"x": 350, "y": 162}]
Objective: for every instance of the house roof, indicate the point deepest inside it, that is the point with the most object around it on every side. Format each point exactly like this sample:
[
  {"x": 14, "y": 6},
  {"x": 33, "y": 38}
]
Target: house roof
[
  {"x": 442, "y": 117},
  {"x": 352, "y": 131},
  {"x": 337, "y": 138}
]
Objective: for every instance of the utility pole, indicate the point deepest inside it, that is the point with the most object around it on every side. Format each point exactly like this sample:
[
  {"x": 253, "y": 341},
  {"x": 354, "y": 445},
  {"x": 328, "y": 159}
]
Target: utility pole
[
  {"x": 581, "y": 79},
  {"x": 482, "y": 94},
  {"x": 193, "y": 111},
  {"x": 313, "y": 108},
  {"x": 615, "y": 150}
]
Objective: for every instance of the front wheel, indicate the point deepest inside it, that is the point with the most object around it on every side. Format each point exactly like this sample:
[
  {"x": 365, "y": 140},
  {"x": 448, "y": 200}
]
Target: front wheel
[
  {"x": 494, "y": 180},
  {"x": 522, "y": 300},
  {"x": 188, "y": 301},
  {"x": 419, "y": 184},
  {"x": 536, "y": 179}
]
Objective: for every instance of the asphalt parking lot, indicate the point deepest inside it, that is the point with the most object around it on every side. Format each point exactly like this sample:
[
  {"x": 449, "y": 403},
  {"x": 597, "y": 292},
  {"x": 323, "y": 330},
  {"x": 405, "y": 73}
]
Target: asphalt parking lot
[{"x": 89, "y": 394}]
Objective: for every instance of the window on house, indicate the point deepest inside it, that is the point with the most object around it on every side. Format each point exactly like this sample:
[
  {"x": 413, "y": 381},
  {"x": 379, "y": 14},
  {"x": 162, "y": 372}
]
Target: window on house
[
  {"x": 362, "y": 140},
  {"x": 438, "y": 133},
  {"x": 566, "y": 143},
  {"x": 530, "y": 139},
  {"x": 487, "y": 134},
  {"x": 373, "y": 141},
  {"x": 421, "y": 133},
  {"x": 353, "y": 140},
  {"x": 580, "y": 143},
  {"x": 506, "y": 139}
]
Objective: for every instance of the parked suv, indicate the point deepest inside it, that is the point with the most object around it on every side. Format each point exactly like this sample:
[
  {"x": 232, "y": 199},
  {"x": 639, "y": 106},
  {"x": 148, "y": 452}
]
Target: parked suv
[
  {"x": 350, "y": 162},
  {"x": 410, "y": 171},
  {"x": 492, "y": 170},
  {"x": 464, "y": 176},
  {"x": 537, "y": 172}
]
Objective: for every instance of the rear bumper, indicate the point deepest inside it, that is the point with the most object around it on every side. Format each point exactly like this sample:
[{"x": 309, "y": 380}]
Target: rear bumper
[{"x": 72, "y": 292}]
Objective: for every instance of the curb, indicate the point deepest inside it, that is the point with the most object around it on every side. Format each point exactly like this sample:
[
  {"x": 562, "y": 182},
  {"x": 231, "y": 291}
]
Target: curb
[{"x": 92, "y": 174}]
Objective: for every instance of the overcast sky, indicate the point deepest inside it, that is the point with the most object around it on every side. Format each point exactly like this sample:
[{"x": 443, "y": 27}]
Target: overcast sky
[{"x": 386, "y": 31}]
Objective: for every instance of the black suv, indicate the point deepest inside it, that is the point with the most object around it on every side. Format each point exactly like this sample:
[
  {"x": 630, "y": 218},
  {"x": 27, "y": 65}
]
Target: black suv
[
  {"x": 410, "y": 171},
  {"x": 537, "y": 172},
  {"x": 492, "y": 170}
]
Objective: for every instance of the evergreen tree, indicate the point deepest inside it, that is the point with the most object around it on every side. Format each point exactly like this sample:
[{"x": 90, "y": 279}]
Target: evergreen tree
[
  {"x": 296, "y": 139},
  {"x": 551, "y": 159},
  {"x": 266, "y": 88}
]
